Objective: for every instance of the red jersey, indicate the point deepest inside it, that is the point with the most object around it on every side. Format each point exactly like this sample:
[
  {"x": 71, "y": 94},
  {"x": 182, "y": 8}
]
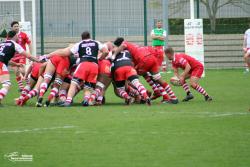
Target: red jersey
[
  {"x": 181, "y": 60},
  {"x": 23, "y": 39},
  {"x": 132, "y": 48}
]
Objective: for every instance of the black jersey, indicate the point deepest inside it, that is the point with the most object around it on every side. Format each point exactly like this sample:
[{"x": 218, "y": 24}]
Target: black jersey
[
  {"x": 122, "y": 59},
  {"x": 8, "y": 50},
  {"x": 87, "y": 50}
]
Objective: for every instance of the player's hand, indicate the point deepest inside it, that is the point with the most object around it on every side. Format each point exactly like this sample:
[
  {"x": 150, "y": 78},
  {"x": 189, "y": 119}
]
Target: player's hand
[{"x": 182, "y": 80}]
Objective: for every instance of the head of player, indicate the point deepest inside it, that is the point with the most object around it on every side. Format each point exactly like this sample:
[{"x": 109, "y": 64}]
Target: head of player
[
  {"x": 12, "y": 35},
  {"x": 15, "y": 26},
  {"x": 118, "y": 41},
  {"x": 169, "y": 52}
]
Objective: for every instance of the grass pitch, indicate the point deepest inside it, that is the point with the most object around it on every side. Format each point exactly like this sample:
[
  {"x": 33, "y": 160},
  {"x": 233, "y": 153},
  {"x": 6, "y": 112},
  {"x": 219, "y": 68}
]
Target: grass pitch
[{"x": 190, "y": 134}]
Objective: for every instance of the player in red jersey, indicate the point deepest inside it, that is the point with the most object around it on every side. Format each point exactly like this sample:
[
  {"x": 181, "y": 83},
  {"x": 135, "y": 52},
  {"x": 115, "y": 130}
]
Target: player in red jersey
[
  {"x": 145, "y": 61},
  {"x": 192, "y": 69},
  {"x": 7, "y": 51},
  {"x": 23, "y": 40}
]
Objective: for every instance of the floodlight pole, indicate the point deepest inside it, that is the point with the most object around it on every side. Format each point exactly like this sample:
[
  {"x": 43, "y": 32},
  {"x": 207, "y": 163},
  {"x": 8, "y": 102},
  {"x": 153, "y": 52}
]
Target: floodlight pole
[
  {"x": 22, "y": 10},
  {"x": 191, "y": 9},
  {"x": 34, "y": 27}
]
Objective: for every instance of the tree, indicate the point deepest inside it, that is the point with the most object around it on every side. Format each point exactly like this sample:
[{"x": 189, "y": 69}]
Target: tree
[{"x": 213, "y": 7}]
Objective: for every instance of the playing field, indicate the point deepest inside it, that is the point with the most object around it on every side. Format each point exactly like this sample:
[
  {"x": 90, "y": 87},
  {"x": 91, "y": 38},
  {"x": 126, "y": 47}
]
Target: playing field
[{"x": 197, "y": 133}]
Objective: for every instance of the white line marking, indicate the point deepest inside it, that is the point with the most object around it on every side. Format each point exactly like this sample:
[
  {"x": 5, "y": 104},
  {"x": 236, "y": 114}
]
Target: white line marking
[
  {"x": 228, "y": 114},
  {"x": 38, "y": 129}
]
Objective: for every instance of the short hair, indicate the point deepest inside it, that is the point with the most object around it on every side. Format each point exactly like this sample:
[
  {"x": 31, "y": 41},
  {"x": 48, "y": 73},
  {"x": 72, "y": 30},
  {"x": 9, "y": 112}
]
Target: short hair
[
  {"x": 13, "y": 23},
  {"x": 118, "y": 41},
  {"x": 169, "y": 50},
  {"x": 11, "y": 34},
  {"x": 159, "y": 20},
  {"x": 85, "y": 35}
]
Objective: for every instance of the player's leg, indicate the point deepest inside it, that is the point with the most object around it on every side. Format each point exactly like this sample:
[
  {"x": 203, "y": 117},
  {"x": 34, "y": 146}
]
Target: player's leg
[
  {"x": 33, "y": 92},
  {"x": 247, "y": 60},
  {"x": 186, "y": 88},
  {"x": 194, "y": 79},
  {"x": 103, "y": 81},
  {"x": 121, "y": 92},
  {"x": 5, "y": 81},
  {"x": 48, "y": 75}
]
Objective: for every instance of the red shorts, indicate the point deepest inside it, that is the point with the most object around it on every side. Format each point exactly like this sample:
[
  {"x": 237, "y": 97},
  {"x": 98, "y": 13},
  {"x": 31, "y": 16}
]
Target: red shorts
[
  {"x": 104, "y": 67},
  {"x": 35, "y": 70},
  {"x": 148, "y": 64},
  {"x": 61, "y": 64},
  {"x": 197, "y": 72},
  {"x": 19, "y": 59},
  {"x": 3, "y": 69},
  {"x": 123, "y": 73},
  {"x": 87, "y": 71}
]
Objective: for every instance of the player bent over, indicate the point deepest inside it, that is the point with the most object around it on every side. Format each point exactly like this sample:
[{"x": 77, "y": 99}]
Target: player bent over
[
  {"x": 192, "y": 69},
  {"x": 87, "y": 71},
  {"x": 145, "y": 61},
  {"x": 123, "y": 70},
  {"x": 7, "y": 51}
]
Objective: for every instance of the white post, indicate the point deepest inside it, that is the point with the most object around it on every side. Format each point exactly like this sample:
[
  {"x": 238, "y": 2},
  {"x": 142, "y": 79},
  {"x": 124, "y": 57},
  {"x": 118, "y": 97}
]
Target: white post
[
  {"x": 191, "y": 9},
  {"x": 22, "y": 10},
  {"x": 34, "y": 27}
]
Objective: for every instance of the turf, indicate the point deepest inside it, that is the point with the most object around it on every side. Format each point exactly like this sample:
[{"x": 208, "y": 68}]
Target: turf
[{"x": 190, "y": 134}]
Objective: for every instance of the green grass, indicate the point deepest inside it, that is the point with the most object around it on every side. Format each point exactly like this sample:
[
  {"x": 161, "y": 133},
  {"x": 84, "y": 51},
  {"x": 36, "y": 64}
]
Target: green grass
[{"x": 197, "y": 133}]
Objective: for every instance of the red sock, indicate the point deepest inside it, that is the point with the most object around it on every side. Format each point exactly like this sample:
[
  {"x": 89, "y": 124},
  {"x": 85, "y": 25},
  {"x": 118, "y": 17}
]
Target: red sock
[
  {"x": 20, "y": 82},
  {"x": 200, "y": 90},
  {"x": 169, "y": 91}
]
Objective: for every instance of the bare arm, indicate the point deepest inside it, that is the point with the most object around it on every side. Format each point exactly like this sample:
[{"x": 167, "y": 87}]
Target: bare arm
[
  {"x": 186, "y": 71},
  {"x": 28, "y": 71},
  {"x": 12, "y": 63},
  {"x": 104, "y": 53},
  {"x": 30, "y": 48},
  {"x": 61, "y": 52},
  {"x": 29, "y": 56}
]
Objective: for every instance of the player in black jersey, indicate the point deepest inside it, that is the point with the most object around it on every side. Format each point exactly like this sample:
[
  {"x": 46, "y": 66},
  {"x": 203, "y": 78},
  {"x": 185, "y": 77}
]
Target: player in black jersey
[
  {"x": 122, "y": 71},
  {"x": 7, "y": 51},
  {"x": 87, "y": 71}
]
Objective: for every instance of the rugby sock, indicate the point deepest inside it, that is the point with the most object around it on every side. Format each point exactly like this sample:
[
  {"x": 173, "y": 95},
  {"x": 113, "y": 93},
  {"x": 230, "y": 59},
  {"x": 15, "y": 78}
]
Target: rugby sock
[
  {"x": 163, "y": 92},
  {"x": 27, "y": 80},
  {"x": 123, "y": 93},
  {"x": 53, "y": 93},
  {"x": 140, "y": 88},
  {"x": 186, "y": 88},
  {"x": 32, "y": 93},
  {"x": 62, "y": 95},
  {"x": 169, "y": 91},
  {"x": 132, "y": 92},
  {"x": 25, "y": 91},
  {"x": 152, "y": 84},
  {"x": 43, "y": 89},
  {"x": 200, "y": 90},
  {"x": 68, "y": 100},
  {"x": 20, "y": 82},
  {"x": 95, "y": 94},
  {"x": 3, "y": 93}
]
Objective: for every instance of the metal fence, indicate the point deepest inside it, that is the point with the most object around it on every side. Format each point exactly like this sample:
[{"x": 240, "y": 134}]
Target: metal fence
[{"x": 68, "y": 18}]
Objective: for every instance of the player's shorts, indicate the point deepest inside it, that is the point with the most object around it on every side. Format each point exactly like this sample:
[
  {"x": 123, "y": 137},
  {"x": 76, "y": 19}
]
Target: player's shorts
[
  {"x": 197, "y": 72},
  {"x": 104, "y": 67},
  {"x": 87, "y": 71},
  {"x": 123, "y": 73},
  {"x": 3, "y": 69},
  {"x": 148, "y": 64},
  {"x": 18, "y": 58},
  {"x": 35, "y": 70},
  {"x": 61, "y": 64}
]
